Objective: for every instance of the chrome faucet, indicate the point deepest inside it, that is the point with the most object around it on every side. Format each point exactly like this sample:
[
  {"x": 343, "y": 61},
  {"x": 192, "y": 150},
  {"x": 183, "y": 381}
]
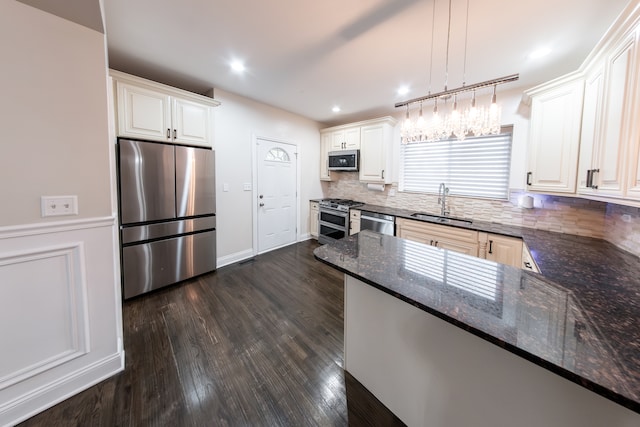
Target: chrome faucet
[{"x": 442, "y": 199}]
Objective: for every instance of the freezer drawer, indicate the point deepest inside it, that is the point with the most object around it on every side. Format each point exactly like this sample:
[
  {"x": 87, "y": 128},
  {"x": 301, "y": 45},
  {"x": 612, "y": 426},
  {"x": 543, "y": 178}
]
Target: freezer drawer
[
  {"x": 153, "y": 265},
  {"x": 138, "y": 233}
]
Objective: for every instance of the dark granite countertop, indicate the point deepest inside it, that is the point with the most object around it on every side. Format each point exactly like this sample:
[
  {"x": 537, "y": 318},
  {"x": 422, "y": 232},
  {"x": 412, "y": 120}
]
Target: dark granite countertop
[{"x": 578, "y": 319}]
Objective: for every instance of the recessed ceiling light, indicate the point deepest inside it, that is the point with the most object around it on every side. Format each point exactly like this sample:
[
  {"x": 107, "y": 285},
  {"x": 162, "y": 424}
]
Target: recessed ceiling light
[
  {"x": 403, "y": 90},
  {"x": 336, "y": 109},
  {"x": 237, "y": 66},
  {"x": 539, "y": 53}
]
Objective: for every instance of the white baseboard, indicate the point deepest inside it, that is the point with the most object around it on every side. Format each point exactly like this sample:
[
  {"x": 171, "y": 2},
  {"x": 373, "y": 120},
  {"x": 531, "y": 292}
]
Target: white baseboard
[
  {"x": 233, "y": 258},
  {"x": 51, "y": 394}
]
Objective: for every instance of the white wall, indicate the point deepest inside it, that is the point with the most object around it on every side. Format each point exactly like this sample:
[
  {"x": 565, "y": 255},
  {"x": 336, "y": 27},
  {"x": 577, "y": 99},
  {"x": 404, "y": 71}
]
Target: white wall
[
  {"x": 60, "y": 306},
  {"x": 53, "y": 115},
  {"x": 238, "y": 121}
]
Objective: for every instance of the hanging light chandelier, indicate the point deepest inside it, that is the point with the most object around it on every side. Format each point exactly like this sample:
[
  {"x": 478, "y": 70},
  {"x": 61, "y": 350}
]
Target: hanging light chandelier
[{"x": 458, "y": 122}]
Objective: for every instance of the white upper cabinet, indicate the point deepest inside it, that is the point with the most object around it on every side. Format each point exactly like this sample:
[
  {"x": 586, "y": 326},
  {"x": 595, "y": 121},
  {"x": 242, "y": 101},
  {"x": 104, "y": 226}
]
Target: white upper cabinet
[
  {"x": 345, "y": 139},
  {"x": 375, "y": 149},
  {"x": 590, "y": 134},
  {"x": 143, "y": 113},
  {"x": 192, "y": 121},
  {"x": 150, "y": 110},
  {"x": 374, "y": 139},
  {"x": 325, "y": 147},
  {"x": 554, "y": 137},
  {"x": 617, "y": 123},
  {"x": 609, "y": 128},
  {"x": 633, "y": 153}
]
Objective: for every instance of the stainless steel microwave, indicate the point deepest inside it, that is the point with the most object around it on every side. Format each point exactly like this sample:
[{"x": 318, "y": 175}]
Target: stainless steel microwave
[{"x": 344, "y": 160}]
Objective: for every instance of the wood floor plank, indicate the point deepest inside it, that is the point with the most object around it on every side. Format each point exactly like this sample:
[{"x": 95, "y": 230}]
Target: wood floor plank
[{"x": 258, "y": 343}]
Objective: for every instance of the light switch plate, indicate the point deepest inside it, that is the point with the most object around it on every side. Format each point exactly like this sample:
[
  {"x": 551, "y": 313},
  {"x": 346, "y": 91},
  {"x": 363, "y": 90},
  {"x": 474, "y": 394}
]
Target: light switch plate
[
  {"x": 247, "y": 186},
  {"x": 58, "y": 205},
  {"x": 225, "y": 186}
]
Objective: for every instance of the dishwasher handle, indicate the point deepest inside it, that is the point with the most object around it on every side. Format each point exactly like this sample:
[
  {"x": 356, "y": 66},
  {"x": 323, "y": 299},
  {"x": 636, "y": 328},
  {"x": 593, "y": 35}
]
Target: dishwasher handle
[{"x": 373, "y": 216}]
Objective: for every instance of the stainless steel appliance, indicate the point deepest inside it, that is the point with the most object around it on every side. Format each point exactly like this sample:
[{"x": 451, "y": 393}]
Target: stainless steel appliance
[
  {"x": 334, "y": 219},
  {"x": 380, "y": 223},
  {"x": 167, "y": 214},
  {"x": 344, "y": 160}
]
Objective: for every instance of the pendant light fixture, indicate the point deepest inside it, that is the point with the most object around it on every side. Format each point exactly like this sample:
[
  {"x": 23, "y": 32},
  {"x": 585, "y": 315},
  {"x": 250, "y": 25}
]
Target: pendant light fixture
[{"x": 460, "y": 123}]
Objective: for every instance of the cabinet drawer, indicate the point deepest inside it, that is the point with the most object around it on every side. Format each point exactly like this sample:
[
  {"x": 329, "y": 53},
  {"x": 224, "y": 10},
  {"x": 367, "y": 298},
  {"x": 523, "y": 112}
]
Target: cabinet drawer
[{"x": 453, "y": 233}]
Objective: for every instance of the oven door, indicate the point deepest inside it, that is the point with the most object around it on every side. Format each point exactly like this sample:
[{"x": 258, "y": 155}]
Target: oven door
[
  {"x": 334, "y": 217},
  {"x": 332, "y": 226}
]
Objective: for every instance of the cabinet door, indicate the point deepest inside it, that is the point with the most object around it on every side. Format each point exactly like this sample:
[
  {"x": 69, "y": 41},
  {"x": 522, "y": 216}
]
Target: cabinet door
[
  {"x": 338, "y": 140},
  {"x": 590, "y": 134},
  {"x": 345, "y": 139},
  {"x": 455, "y": 245},
  {"x": 505, "y": 250},
  {"x": 373, "y": 154},
  {"x": 554, "y": 138},
  {"x": 352, "y": 138},
  {"x": 191, "y": 122},
  {"x": 354, "y": 221},
  {"x": 616, "y": 124},
  {"x": 325, "y": 146},
  {"x": 143, "y": 113},
  {"x": 444, "y": 237},
  {"x": 313, "y": 219}
]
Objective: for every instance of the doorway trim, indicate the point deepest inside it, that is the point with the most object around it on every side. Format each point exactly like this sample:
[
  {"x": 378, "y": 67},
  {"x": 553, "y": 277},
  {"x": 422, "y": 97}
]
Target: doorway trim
[{"x": 254, "y": 184}]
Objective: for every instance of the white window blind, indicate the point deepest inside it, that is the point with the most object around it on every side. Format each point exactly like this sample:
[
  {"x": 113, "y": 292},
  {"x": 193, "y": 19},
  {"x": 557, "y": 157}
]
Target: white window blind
[{"x": 475, "y": 167}]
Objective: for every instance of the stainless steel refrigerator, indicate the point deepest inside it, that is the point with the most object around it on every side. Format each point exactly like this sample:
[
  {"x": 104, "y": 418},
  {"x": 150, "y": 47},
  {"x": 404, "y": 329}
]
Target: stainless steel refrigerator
[{"x": 167, "y": 214}]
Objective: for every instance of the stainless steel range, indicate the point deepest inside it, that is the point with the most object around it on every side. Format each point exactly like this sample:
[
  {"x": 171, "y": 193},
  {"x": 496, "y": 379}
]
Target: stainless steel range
[{"x": 334, "y": 219}]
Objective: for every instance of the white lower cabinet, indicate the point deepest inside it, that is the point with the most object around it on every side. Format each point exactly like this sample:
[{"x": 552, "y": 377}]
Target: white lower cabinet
[
  {"x": 354, "y": 221},
  {"x": 314, "y": 219},
  {"x": 502, "y": 249},
  {"x": 495, "y": 247},
  {"x": 528, "y": 263},
  {"x": 441, "y": 236}
]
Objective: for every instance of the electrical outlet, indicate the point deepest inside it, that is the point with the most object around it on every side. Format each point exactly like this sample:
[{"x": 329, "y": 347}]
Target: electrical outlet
[
  {"x": 247, "y": 186},
  {"x": 626, "y": 218},
  {"x": 58, "y": 205},
  {"x": 225, "y": 186}
]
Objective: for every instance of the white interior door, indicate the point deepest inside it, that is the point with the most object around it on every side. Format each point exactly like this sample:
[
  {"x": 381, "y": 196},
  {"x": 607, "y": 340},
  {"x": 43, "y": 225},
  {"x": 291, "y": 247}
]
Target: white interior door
[{"x": 276, "y": 195}]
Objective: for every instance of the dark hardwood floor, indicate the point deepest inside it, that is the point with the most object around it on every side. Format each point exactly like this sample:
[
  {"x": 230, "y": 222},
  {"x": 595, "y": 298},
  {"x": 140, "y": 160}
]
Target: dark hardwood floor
[{"x": 254, "y": 344}]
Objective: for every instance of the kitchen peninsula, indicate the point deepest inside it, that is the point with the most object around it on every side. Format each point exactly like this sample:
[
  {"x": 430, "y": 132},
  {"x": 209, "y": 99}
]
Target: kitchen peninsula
[{"x": 442, "y": 338}]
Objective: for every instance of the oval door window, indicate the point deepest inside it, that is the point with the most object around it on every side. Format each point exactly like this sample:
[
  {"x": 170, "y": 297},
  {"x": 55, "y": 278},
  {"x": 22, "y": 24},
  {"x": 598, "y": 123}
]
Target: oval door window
[{"x": 277, "y": 155}]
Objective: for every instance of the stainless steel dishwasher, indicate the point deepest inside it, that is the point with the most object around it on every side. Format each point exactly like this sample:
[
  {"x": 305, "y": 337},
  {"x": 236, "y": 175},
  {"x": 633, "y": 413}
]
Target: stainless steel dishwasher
[{"x": 380, "y": 223}]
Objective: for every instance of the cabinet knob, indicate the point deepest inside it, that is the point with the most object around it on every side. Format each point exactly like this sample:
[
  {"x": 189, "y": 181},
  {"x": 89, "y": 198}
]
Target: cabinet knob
[
  {"x": 490, "y": 246},
  {"x": 175, "y": 134},
  {"x": 382, "y": 174},
  {"x": 168, "y": 133},
  {"x": 529, "y": 177}
]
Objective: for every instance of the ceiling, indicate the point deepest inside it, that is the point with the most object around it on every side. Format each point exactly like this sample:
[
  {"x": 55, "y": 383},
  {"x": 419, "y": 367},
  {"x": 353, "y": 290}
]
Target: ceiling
[{"x": 307, "y": 56}]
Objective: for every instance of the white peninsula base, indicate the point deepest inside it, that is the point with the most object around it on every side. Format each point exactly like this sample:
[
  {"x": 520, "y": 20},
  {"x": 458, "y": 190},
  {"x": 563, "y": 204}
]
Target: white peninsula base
[{"x": 431, "y": 373}]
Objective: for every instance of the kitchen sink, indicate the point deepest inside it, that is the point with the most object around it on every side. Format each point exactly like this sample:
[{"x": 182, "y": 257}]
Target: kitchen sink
[{"x": 441, "y": 219}]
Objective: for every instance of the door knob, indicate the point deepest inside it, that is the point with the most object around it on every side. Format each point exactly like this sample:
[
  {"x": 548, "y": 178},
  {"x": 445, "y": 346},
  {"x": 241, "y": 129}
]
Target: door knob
[
  {"x": 261, "y": 196},
  {"x": 261, "y": 204}
]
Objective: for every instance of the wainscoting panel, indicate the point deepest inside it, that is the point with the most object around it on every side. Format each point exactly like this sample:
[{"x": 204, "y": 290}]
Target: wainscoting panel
[
  {"x": 60, "y": 312},
  {"x": 52, "y": 280}
]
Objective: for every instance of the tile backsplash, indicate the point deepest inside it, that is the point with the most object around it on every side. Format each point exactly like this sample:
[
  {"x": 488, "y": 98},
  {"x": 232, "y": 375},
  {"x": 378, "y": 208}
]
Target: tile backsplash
[
  {"x": 622, "y": 227},
  {"x": 618, "y": 224}
]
